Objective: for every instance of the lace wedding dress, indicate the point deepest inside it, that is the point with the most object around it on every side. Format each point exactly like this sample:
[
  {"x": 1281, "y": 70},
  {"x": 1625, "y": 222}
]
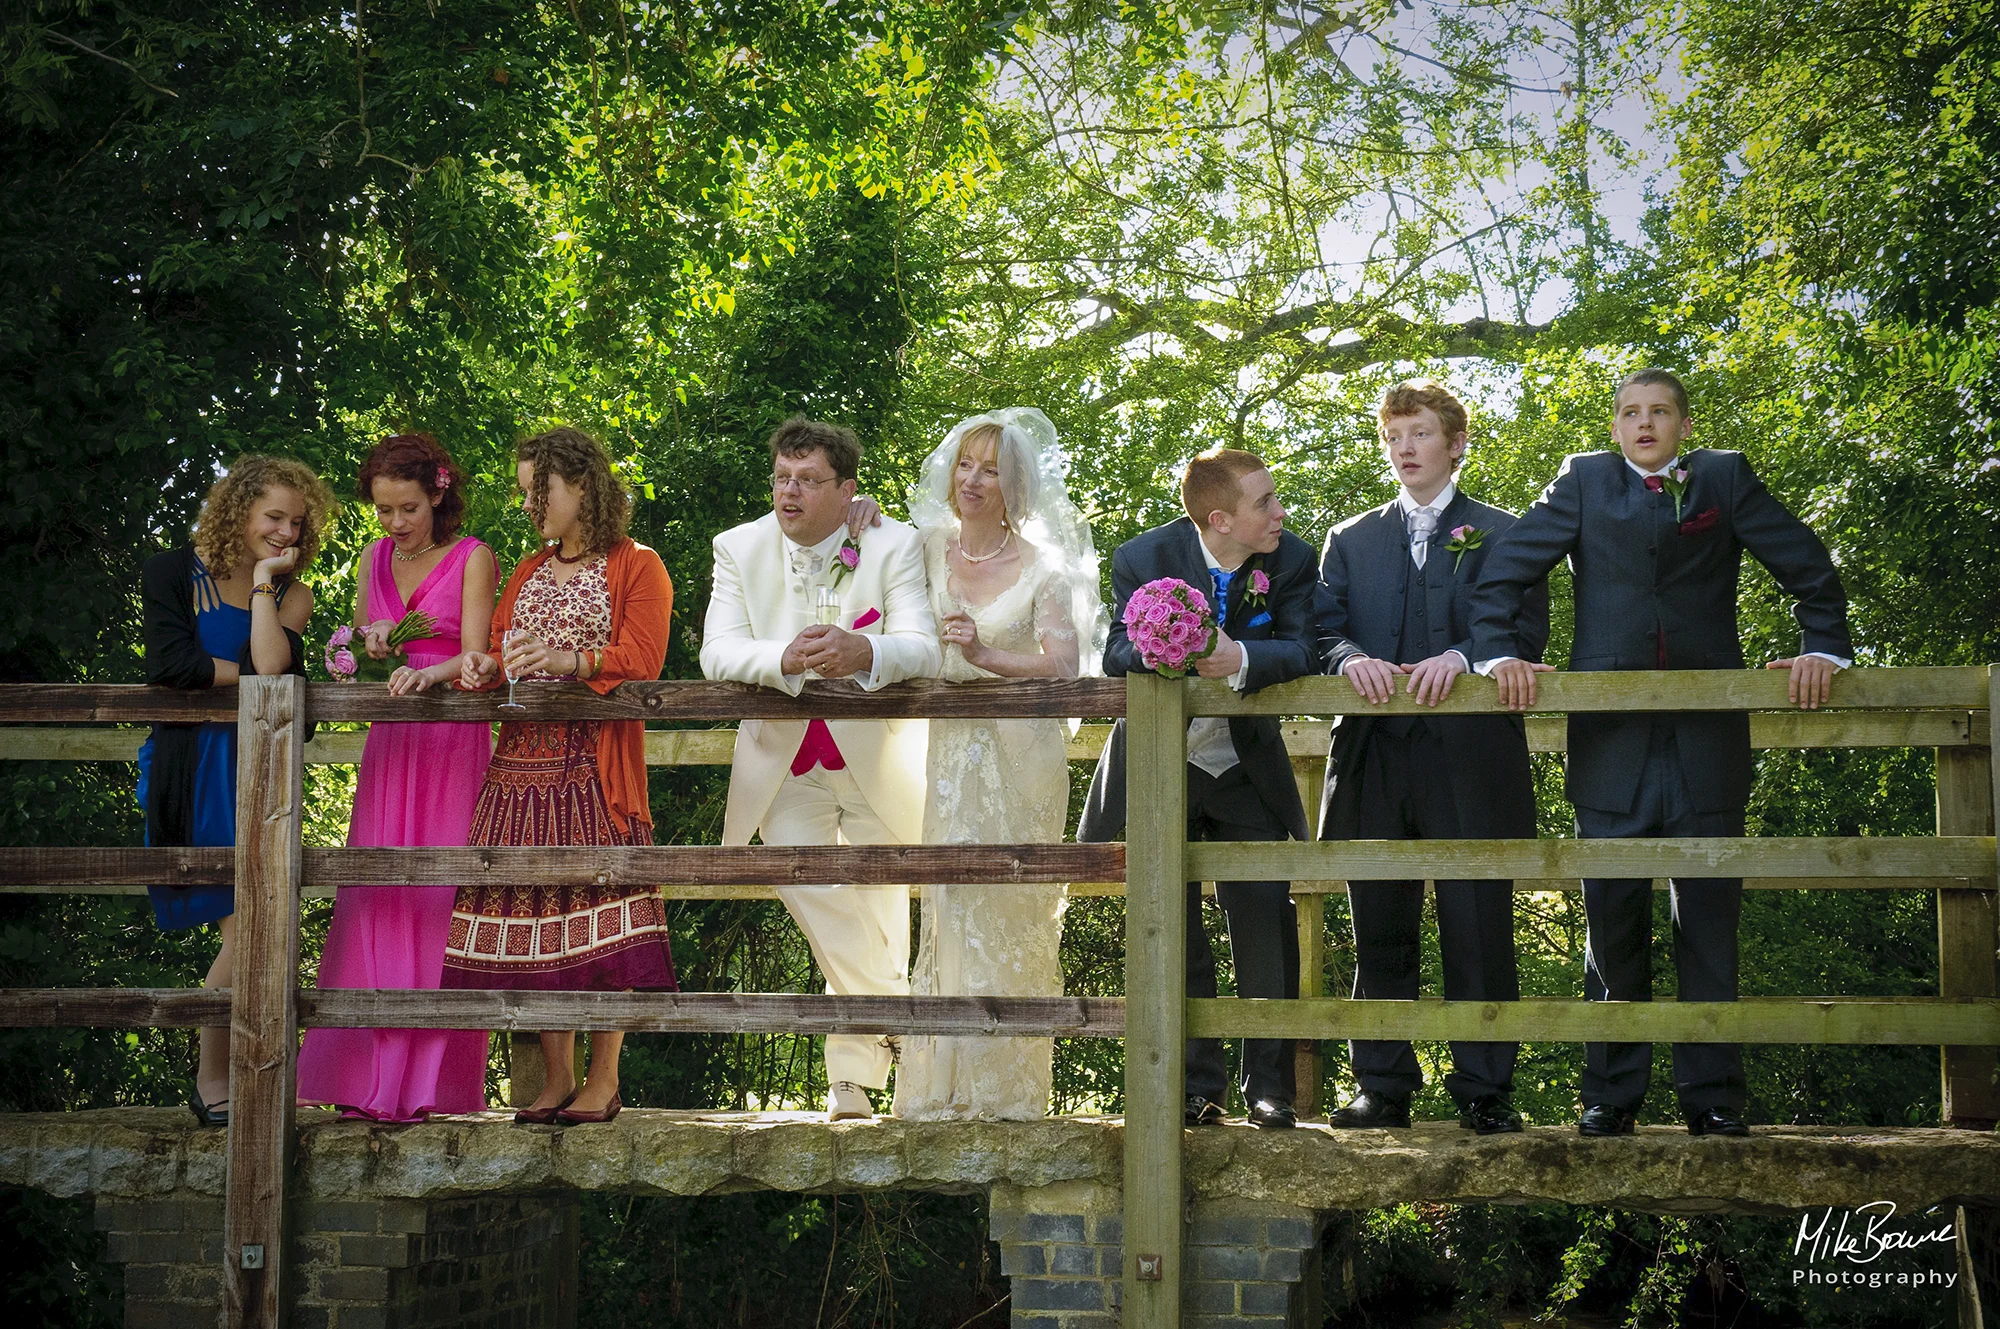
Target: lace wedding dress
[{"x": 991, "y": 782}]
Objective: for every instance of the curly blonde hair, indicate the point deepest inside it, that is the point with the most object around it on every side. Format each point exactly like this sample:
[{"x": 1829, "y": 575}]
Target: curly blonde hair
[
  {"x": 604, "y": 508},
  {"x": 218, "y": 533}
]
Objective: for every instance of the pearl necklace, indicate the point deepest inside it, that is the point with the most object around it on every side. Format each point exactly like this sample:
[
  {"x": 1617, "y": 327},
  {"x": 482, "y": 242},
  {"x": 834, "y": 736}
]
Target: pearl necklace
[
  {"x": 982, "y": 558},
  {"x": 402, "y": 557}
]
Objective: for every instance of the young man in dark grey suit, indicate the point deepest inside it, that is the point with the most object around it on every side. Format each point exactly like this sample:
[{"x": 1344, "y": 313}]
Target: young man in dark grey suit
[
  {"x": 1395, "y": 607},
  {"x": 1655, "y": 535},
  {"x": 1233, "y": 547}
]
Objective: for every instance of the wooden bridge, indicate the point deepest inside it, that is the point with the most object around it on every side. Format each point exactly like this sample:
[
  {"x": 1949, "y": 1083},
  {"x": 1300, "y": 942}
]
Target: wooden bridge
[{"x": 1168, "y": 1184}]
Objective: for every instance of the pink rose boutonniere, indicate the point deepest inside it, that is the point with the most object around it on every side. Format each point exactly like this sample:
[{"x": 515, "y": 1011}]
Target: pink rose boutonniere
[
  {"x": 1463, "y": 539},
  {"x": 845, "y": 559},
  {"x": 1259, "y": 583},
  {"x": 1676, "y": 482}
]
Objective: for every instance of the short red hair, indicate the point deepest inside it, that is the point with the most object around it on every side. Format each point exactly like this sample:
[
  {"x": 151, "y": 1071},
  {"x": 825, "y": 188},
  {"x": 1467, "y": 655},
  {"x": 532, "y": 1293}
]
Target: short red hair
[
  {"x": 1416, "y": 395},
  {"x": 1214, "y": 481},
  {"x": 423, "y": 460}
]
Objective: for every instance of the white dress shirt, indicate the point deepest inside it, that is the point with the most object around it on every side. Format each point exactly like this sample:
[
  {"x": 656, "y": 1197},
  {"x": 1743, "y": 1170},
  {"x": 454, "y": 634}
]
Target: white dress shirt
[
  {"x": 803, "y": 584},
  {"x": 1209, "y": 745},
  {"x": 1486, "y": 667}
]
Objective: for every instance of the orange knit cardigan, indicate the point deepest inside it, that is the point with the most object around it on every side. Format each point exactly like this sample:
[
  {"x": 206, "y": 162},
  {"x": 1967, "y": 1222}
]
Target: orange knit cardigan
[{"x": 642, "y": 607}]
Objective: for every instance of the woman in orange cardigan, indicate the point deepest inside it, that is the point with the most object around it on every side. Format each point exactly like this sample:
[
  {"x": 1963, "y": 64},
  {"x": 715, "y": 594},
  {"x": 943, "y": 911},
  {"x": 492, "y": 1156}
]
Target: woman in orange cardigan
[{"x": 592, "y": 605}]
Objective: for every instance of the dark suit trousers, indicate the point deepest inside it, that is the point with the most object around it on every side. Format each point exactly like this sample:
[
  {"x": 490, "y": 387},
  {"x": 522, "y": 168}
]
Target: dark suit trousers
[
  {"x": 1406, "y": 795},
  {"x": 1620, "y": 963},
  {"x": 1263, "y": 938}
]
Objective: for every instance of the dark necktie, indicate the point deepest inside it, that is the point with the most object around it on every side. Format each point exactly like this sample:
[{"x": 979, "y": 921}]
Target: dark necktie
[{"x": 1656, "y": 484}]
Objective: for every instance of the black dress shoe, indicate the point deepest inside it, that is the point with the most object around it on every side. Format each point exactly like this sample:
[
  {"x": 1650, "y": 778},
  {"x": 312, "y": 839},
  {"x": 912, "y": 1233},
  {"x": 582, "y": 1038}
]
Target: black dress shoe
[
  {"x": 1490, "y": 1114},
  {"x": 1370, "y": 1111},
  {"x": 1202, "y": 1111},
  {"x": 1269, "y": 1114},
  {"x": 1602, "y": 1119},
  {"x": 1716, "y": 1121}
]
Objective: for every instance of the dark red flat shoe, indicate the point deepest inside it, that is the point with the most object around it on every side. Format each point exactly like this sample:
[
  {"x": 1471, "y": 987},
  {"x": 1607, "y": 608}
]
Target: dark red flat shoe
[
  {"x": 532, "y": 1116},
  {"x": 568, "y": 1118}
]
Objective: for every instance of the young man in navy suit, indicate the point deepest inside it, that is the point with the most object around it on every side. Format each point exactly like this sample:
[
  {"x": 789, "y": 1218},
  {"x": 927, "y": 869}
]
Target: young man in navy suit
[
  {"x": 1234, "y": 548},
  {"x": 1655, "y": 535},
  {"x": 1395, "y": 610}
]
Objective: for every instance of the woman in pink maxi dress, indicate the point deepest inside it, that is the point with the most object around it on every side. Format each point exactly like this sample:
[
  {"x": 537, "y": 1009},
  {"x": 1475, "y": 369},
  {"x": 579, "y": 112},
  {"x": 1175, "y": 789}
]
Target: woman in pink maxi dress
[{"x": 417, "y": 786}]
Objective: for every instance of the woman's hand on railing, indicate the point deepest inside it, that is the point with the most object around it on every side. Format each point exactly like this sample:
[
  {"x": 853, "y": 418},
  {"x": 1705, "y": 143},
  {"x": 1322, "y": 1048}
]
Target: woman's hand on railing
[
  {"x": 408, "y": 679},
  {"x": 478, "y": 671},
  {"x": 1812, "y": 679}
]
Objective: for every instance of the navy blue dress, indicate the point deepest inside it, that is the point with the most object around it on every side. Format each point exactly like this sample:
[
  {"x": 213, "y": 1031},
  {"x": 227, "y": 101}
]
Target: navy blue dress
[{"x": 225, "y": 631}]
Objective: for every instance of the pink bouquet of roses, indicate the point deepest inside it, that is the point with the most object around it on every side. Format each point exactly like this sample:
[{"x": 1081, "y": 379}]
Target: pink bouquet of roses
[
  {"x": 347, "y": 658},
  {"x": 1170, "y": 624}
]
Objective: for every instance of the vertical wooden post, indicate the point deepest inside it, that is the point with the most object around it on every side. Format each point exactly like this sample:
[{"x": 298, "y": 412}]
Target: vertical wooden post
[
  {"x": 1310, "y": 772},
  {"x": 1155, "y": 996},
  {"x": 1968, "y": 934},
  {"x": 263, "y": 1006}
]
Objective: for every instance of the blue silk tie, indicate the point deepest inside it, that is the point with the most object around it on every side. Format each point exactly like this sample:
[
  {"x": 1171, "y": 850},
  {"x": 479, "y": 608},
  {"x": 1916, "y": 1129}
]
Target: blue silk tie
[{"x": 1221, "y": 592}]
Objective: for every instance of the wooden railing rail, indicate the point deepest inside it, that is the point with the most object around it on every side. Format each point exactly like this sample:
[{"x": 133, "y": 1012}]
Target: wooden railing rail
[{"x": 1948, "y": 709}]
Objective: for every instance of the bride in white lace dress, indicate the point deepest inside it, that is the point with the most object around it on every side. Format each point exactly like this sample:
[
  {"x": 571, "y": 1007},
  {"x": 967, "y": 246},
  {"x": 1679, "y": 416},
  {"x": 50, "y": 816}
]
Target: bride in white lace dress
[{"x": 1013, "y": 581}]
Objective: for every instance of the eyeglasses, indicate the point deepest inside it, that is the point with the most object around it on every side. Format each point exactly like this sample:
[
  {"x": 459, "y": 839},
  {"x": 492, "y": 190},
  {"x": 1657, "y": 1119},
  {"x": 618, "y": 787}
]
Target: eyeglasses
[{"x": 780, "y": 483}]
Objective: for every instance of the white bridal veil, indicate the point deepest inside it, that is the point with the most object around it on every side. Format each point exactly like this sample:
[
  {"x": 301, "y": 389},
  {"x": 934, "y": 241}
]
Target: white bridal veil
[{"x": 1034, "y": 474}]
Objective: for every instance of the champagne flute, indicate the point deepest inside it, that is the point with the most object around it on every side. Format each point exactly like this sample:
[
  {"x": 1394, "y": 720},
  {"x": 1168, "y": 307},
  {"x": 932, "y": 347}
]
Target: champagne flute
[
  {"x": 826, "y": 613},
  {"x": 507, "y": 639}
]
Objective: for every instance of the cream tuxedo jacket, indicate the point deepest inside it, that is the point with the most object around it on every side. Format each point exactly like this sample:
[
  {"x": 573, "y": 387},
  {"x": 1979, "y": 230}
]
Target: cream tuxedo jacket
[{"x": 754, "y": 612}]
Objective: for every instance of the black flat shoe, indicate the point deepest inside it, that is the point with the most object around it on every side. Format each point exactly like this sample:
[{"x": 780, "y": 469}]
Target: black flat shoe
[
  {"x": 1490, "y": 1114},
  {"x": 1201, "y": 1111},
  {"x": 1602, "y": 1119},
  {"x": 214, "y": 1115},
  {"x": 1268, "y": 1114},
  {"x": 1371, "y": 1111},
  {"x": 1716, "y": 1121}
]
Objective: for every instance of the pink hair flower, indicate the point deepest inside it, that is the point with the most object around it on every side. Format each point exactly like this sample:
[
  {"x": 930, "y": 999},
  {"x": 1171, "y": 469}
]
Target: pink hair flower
[{"x": 444, "y": 477}]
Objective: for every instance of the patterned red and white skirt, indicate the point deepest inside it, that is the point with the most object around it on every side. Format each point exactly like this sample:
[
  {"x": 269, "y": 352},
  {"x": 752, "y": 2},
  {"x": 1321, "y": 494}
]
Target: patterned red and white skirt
[{"x": 542, "y": 789}]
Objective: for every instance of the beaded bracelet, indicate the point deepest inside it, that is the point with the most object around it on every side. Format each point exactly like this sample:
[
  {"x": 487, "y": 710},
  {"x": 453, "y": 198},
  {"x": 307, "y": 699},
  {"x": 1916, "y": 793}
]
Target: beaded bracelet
[{"x": 264, "y": 588}]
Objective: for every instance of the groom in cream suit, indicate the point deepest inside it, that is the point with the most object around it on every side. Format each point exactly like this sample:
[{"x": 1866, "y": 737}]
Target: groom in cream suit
[{"x": 827, "y": 781}]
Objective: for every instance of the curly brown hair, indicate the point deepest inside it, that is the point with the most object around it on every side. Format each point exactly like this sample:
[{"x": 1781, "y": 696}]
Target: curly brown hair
[
  {"x": 604, "y": 508},
  {"x": 421, "y": 459},
  {"x": 218, "y": 532}
]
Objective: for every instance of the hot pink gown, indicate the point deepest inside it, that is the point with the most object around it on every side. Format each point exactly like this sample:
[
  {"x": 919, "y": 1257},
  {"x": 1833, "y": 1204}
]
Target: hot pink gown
[{"x": 417, "y": 786}]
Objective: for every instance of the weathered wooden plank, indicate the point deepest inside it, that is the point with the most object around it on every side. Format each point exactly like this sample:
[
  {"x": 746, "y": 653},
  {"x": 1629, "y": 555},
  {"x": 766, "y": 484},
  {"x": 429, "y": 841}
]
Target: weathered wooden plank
[
  {"x": 1304, "y": 890},
  {"x": 664, "y": 1012},
  {"x": 1968, "y": 934},
  {"x": 1944, "y": 688},
  {"x": 694, "y": 699},
  {"x": 1378, "y": 860},
  {"x": 1303, "y": 738},
  {"x": 113, "y": 1008},
  {"x": 45, "y": 868},
  {"x": 718, "y": 1012},
  {"x": 263, "y": 1014},
  {"x": 1917, "y": 1020},
  {"x": 57, "y": 703},
  {"x": 746, "y": 865},
  {"x": 1308, "y": 1064},
  {"x": 1155, "y": 986}
]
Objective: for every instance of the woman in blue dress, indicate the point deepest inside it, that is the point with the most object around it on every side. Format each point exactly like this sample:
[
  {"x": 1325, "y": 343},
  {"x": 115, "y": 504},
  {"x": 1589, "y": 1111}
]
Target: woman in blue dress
[{"x": 228, "y": 605}]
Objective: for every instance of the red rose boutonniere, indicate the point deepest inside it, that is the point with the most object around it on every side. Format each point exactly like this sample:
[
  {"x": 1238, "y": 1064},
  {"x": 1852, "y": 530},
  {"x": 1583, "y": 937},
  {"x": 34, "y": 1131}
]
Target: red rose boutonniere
[
  {"x": 1463, "y": 540},
  {"x": 845, "y": 559}
]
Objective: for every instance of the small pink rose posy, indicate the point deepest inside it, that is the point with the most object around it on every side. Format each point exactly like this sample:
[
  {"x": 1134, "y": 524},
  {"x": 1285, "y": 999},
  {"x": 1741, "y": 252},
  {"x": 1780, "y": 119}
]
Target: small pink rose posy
[
  {"x": 1458, "y": 532},
  {"x": 1259, "y": 583}
]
